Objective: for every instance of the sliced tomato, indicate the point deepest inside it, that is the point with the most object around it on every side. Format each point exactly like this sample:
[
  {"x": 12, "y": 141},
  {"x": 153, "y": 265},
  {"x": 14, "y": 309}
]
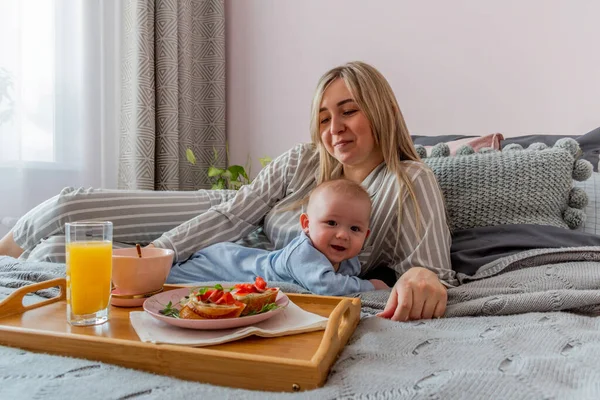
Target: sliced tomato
[
  {"x": 226, "y": 298},
  {"x": 244, "y": 286},
  {"x": 206, "y": 295},
  {"x": 216, "y": 295},
  {"x": 260, "y": 283}
]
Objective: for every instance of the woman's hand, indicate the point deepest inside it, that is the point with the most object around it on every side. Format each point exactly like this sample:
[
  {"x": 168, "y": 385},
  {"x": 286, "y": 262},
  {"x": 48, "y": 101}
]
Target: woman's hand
[{"x": 418, "y": 294}]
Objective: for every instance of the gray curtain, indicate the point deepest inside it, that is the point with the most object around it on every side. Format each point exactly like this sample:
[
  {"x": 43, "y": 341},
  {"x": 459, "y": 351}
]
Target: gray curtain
[{"x": 172, "y": 94}]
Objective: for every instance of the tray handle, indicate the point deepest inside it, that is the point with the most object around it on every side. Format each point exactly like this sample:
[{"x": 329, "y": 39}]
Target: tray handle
[
  {"x": 13, "y": 304},
  {"x": 338, "y": 322}
]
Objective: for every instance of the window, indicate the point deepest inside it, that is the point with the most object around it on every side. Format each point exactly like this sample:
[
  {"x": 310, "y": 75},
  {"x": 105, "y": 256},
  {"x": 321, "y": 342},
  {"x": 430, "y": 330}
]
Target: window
[
  {"x": 59, "y": 99},
  {"x": 27, "y": 85}
]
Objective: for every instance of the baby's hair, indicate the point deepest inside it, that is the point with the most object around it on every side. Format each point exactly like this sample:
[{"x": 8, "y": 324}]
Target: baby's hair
[{"x": 343, "y": 186}]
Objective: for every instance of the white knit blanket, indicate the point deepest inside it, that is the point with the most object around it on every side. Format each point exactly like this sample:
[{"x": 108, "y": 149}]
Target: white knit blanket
[{"x": 507, "y": 335}]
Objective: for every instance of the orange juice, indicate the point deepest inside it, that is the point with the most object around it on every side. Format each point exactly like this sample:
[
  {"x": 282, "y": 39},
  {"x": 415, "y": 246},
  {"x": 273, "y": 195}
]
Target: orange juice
[{"x": 89, "y": 268}]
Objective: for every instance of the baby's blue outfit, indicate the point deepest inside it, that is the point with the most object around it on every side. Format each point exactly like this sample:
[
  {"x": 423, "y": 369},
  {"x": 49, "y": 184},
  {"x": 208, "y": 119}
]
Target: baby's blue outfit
[{"x": 299, "y": 262}]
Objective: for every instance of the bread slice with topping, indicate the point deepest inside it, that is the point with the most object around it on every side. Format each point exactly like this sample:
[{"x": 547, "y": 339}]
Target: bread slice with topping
[
  {"x": 211, "y": 304},
  {"x": 255, "y": 296}
]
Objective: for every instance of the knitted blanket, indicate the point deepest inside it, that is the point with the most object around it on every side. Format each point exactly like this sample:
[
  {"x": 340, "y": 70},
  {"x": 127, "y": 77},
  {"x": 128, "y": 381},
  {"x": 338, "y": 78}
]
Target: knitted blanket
[{"x": 506, "y": 335}]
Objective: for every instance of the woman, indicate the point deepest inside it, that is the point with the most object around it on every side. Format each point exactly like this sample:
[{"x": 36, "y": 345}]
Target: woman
[{"x": 358, "y": 133}]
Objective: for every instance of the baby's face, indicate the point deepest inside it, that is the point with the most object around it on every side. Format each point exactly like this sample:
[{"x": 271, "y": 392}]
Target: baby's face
[{"x": 338, "y": 226}]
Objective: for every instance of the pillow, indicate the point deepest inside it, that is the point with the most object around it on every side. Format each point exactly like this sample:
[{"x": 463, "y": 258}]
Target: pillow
[
  {"x": 476, "y": 143},
  {"x": 589, "y": 143},
  {"x": 433, "y": 140},
  {"x": 475, "y": 247},
  {"x": 592, "y": 189},
  {"x": 514, "y": 186}
]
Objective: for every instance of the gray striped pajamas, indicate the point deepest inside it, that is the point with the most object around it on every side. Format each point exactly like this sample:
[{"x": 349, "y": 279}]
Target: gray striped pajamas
[{"x": 255, "y": 216}]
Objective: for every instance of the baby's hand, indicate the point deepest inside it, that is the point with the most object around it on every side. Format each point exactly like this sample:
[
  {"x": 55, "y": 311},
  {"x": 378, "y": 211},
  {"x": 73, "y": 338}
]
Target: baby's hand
[{"x": 379, "y": 285}]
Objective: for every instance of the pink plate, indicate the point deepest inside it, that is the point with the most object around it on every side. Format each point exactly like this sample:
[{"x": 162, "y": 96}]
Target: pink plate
[{"x": 154, "y": 304}]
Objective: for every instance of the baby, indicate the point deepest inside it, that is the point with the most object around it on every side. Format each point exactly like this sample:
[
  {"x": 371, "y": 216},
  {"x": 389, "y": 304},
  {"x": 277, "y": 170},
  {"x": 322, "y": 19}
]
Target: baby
[{"x": 323, "y": 259}]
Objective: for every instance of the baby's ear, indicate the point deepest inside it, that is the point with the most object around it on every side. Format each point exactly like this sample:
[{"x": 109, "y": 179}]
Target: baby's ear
[
  {"x": 368, "y": 233},
  {"x": 304, "y": 222}
]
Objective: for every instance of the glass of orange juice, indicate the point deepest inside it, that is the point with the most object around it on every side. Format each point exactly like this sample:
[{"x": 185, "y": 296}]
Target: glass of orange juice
[{"x": 89, "y": 269}]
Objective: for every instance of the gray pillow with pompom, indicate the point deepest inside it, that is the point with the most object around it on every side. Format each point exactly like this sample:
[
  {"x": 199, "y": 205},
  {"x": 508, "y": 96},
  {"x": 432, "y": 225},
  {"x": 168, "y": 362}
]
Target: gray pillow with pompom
[{"x": 515, "y": 186}]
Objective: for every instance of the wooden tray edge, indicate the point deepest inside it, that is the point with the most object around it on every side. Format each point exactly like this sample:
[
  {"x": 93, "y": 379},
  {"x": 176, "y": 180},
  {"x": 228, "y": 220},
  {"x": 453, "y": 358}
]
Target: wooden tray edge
[
  {"x": 13, "y": 303},
  {"x": 309, "y": 374},
  {"x": 342, "y": 323},
  {"x": 216, "y": 367}
]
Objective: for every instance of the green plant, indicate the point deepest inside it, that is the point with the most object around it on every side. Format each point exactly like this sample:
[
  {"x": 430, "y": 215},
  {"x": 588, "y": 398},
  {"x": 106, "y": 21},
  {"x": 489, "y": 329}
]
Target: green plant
[{"x": 232, "y": 177}]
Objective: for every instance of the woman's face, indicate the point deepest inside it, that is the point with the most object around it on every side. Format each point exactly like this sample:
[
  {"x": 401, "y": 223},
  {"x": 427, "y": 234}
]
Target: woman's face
[{"x": 345, "y": 130}]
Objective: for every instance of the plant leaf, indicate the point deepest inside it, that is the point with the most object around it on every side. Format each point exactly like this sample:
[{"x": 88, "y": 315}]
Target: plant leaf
[
  {"x": 214, "y": 171},
  {"x": 170, "y": 311},
  {"x": 236, "y": 171},
  {"x": 220, "y": 184},
  {"x": 189, "y": 154},
  {"x": 235, "y": 185},
  {"x": 265, "y": 308},
  {"x": 268, "y": 307}
]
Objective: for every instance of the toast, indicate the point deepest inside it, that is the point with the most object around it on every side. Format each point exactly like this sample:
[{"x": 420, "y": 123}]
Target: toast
[
  {"x": 211, "y": 304},
  {"x": 217, "y": 303},
  {"x": 255, "y": 296},
  {"x": 187, "y": 313},
  {"x": 216, "y": 311}
]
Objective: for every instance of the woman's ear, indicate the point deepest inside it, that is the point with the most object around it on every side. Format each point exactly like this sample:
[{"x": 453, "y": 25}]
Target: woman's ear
[{"x": 304, "y": 222}]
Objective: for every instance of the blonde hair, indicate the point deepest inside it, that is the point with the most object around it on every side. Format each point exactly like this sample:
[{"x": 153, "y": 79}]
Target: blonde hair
[{"x": 374, "y": 96}]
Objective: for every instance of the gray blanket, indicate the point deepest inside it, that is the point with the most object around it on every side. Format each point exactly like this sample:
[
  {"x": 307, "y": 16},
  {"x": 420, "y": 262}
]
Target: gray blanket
[{"x": 506, "y": 335}]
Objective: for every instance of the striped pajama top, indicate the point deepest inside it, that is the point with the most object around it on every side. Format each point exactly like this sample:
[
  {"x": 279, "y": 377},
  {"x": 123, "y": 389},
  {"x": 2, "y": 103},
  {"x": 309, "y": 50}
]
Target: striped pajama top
[{"x": 259, "y": 215}]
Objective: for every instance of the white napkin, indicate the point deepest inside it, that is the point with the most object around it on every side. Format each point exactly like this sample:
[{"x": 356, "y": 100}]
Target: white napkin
[{"x": 290, "y": 321}]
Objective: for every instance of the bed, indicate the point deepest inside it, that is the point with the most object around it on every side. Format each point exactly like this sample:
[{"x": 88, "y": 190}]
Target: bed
[{"x": 522, "y": 324}]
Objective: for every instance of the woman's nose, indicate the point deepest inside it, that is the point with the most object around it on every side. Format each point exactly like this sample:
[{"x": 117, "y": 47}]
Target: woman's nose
[{"x": 337, "y": 125}]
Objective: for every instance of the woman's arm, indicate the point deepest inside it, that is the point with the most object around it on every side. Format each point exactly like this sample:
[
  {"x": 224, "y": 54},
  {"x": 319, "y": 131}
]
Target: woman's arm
[
  {"x": 428, "y": 247},
  {"x": 422, "y": 255},
  {"x": 239, "y": 216}
]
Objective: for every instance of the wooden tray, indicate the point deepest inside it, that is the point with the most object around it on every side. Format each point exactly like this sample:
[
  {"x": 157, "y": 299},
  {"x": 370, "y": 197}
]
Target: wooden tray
[{"x": 296, "y": 362}]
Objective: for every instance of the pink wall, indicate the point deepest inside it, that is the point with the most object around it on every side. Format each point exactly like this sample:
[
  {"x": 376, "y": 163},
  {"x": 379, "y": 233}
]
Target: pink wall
[{"x": 457, "y": 67}]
